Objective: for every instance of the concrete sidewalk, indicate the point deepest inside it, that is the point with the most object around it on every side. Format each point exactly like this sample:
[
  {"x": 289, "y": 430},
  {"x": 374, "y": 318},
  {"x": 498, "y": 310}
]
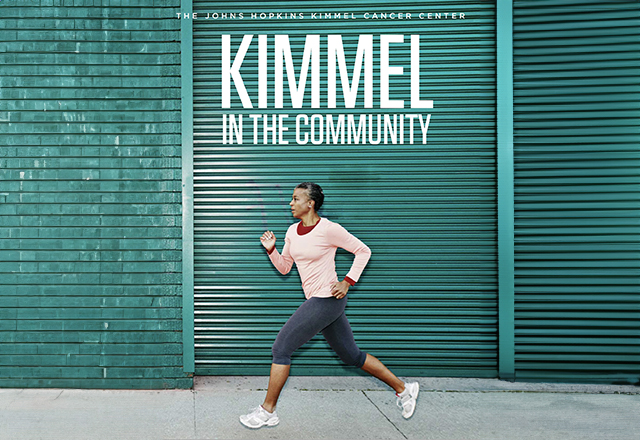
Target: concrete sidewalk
[{"x": 327, "y": 408}]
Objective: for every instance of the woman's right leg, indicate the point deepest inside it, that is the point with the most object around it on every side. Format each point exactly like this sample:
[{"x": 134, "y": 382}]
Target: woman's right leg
[
  {"x": 340, "y": 337},
  {"x": 377, "y": 369}
]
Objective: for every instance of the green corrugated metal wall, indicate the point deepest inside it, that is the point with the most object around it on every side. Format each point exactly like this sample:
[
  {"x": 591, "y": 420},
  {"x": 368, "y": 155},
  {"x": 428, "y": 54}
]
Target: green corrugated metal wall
[
  {"x": 90, "y": 256},
  {"x": 426, "y": 305},
  {"x": 577, "y": 196},
  {"x": 90, "y": 195}
]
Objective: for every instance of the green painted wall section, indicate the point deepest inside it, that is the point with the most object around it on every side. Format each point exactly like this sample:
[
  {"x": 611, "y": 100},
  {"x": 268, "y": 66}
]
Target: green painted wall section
[
  {"x": 504, "y": 122},
  {"x": 426, "y": 304},
  {"x": 91, "y": 191},
  {"x": 577, "y": 191},
  {"x": 90, "y": 195}
]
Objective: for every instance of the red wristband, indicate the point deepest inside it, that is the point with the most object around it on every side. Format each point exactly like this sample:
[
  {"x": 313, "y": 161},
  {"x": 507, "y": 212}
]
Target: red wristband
[
  {"x": 350, "y": 281},
  {"x": 270, "y": 251}
]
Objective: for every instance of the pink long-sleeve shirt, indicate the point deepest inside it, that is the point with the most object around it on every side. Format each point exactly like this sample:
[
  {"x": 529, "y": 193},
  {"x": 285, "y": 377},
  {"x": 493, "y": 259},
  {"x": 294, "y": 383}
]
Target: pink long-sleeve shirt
[{"x": 313, "y": 249}]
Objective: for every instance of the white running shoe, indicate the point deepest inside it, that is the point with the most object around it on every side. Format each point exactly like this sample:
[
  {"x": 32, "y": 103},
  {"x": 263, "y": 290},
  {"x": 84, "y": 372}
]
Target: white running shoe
[
  {"x": 258, "y": 418},
  {"x": 408, "y": 399}
]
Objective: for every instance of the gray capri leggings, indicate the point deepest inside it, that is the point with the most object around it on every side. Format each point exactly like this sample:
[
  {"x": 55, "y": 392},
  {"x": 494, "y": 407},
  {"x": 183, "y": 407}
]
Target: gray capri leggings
[{"x": 315, "y": 315}]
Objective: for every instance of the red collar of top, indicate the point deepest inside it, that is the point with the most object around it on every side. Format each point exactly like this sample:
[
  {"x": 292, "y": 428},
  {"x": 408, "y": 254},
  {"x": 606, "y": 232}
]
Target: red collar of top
[{"x": 302, "y": 230}]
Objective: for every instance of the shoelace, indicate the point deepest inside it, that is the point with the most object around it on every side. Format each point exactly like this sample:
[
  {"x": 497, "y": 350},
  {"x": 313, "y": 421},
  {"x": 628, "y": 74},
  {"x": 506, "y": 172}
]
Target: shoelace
[
  {"x": 255, "y": 411},
  {"x": 402, "y": 400}
]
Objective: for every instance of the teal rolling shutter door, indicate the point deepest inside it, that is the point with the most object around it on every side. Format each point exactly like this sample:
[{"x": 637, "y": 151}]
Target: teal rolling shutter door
[
  {"x": 577, "y": 202},
  {"x": 426, "y": 304}
]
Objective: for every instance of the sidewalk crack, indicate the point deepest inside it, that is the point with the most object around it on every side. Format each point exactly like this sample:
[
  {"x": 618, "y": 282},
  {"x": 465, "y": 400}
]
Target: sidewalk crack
[
  {"x": 195, "y": 416},
  {"x": 384, "y": 415}
]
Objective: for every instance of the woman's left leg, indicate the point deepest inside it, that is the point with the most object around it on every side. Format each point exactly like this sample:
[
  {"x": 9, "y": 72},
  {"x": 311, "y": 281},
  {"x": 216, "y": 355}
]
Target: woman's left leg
[
  {"x": 310, "y": 317},
  {"x": 277, "y": 379}
]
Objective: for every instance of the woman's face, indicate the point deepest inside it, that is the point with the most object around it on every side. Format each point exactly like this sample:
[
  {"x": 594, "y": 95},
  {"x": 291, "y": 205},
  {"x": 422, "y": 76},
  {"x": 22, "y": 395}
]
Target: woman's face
[{"x": 301, "y": 204}]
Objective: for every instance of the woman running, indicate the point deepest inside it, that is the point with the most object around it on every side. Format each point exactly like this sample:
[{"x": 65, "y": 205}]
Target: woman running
[{"x": 312, "y": 244}]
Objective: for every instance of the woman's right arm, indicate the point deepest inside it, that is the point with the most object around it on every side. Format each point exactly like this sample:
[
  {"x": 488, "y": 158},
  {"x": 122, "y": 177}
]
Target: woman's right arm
[{"x": 283, "y": 262}]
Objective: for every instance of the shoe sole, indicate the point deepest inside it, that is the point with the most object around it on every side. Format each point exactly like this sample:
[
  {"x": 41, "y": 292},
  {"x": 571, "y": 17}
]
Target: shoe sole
[{"x": 414, "y": 406}]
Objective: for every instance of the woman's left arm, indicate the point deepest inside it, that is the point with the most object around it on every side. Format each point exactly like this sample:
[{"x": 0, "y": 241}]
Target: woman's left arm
[{"x": 340, "y": 237}]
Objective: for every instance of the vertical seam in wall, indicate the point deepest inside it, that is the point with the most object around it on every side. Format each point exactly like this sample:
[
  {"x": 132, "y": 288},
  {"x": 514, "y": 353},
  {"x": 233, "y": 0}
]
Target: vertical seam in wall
[
  {"x": 186, "y": 67},
  {"x": 504, "y": 78}
]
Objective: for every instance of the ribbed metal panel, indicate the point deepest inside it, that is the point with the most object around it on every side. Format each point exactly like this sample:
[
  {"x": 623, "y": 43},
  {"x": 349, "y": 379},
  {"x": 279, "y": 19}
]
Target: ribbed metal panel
[
  {"x": 577, "y": 166},
  {"x": 90, "y": 239},
  {"x": 426, "y": 303}
]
